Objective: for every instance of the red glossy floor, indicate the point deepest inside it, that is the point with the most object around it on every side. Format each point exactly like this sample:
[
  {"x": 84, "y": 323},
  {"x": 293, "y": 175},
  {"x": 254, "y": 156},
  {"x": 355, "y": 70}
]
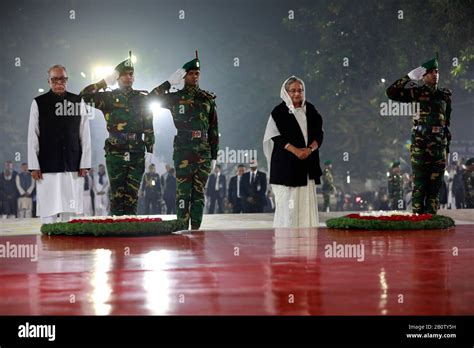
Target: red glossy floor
[{"x": 235, "y": 272}]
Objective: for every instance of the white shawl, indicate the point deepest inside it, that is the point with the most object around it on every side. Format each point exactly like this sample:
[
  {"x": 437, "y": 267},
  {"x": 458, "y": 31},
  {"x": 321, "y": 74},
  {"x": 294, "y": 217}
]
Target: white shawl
[{"x": 272, "y": 130}]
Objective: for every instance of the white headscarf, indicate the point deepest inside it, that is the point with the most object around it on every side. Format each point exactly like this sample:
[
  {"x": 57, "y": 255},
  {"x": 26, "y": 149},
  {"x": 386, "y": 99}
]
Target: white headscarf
[
  {"x": 272, "y": 130},
  {"x": 286, "y": 97}
]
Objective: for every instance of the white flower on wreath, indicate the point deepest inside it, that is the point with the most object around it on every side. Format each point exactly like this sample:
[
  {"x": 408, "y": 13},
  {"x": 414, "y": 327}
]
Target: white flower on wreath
[
  {"x": 387, "y": 213},
  {"x": 115, "y": 217}
]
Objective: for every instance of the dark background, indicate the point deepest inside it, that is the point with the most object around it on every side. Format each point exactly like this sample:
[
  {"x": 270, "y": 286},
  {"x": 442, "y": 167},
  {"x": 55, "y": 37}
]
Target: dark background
[{"x": 270, "y": 47}]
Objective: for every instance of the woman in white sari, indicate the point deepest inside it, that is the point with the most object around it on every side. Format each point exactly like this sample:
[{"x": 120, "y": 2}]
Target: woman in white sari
[{"x": 291, "y": 145}]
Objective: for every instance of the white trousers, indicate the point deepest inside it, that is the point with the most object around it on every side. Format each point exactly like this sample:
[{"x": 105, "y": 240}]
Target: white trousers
[{"x": 296, "y": 206}]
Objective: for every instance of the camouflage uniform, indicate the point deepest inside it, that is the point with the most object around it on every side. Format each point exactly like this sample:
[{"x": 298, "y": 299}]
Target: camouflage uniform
[
  {"x": 430, "y": 139},
  {"x": 328, "y": 187},
  {"x": 395, "y": 191},
  {"x": 468, "y": 181},
  {"x": 128, "y": 117},
  {"x": 195, "y": 145}
]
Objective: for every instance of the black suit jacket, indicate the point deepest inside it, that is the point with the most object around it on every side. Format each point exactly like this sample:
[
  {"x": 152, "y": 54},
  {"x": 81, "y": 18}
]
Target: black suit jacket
[
  {"x": 233, "y": 190},
  {"x": 286, "y": 168},
  {"x": 170, "y": 187},
  {"x": 257, "y": 190},
  {"x": 211, "y": 186}
]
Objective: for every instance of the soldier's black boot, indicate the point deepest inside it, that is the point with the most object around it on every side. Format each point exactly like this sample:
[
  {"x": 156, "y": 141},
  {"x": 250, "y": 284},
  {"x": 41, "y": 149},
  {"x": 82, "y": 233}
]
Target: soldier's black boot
[{"x": 195, "y": 225}]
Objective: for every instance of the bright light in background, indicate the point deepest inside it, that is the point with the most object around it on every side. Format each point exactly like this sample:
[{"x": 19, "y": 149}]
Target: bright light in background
[
  {"x": 100, "y": 72},
  {"x": 82, "y": 74},
  {"x": 382, "y": 80},
  {"x": 41, "y": 90},
  {"x": 134, "y": 59},
  {"x": 155, "y": 108}
]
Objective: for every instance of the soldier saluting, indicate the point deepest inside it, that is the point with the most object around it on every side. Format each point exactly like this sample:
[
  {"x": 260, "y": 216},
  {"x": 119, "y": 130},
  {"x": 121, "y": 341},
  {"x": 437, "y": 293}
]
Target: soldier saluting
[
  {"x": 128, "y": 117},
  {"x": 197, "y": 140},
  {"x": 430, "y": 134}
]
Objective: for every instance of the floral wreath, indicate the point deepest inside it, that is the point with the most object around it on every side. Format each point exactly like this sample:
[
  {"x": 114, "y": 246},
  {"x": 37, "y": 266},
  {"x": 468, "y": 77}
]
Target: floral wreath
[
  {"x": 118, "y": 226},
  {"x": 391, "y": 220}
]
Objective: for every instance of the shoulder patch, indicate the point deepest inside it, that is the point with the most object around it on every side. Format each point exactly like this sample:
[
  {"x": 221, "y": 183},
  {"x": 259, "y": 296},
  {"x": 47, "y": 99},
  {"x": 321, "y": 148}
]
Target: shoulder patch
[
  {"x": 412, "y": 84},
  {"x": 141, "y": 92},
  {"x": 208, "y": 94},
  {"x": 446, "y": 91}
]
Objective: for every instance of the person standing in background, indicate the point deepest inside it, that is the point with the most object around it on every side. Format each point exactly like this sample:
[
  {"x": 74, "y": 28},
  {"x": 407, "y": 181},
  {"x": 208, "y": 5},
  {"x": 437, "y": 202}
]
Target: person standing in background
[
  {"x": 25, "y": 185},
  {"x": 236, "y": 200},
  {"x": 169, "y": 192},
  {"x": 151, "y": 190},
  {"x": 9, "y": 191},
  {"x": 254, "y": 189},
  {"x": 216, "y": 187},
  {"x": 100, "y": 188}
]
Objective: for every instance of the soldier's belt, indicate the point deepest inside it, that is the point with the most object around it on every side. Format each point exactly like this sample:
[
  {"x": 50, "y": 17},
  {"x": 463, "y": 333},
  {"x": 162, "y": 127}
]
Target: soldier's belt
[
  {"x": 192, "y": 134},
  {"x": 430, "y": 129},
  {"x": 125, "y": 136}
]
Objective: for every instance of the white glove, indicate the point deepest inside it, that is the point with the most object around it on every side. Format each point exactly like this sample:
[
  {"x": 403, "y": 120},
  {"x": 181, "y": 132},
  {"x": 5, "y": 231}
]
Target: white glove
[
  {"x": 417, "y": 73},
  {"x": 177, "y": 77},
  {"x": 148, "y": 158},
  {"x": 213, "y": 165},
  {"x": 112, "y": 78}
]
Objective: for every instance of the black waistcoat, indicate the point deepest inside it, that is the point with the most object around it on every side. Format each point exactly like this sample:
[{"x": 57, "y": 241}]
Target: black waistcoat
[
  {"x": 59, "y": 142},
  {"x": 286, "y": 169}
]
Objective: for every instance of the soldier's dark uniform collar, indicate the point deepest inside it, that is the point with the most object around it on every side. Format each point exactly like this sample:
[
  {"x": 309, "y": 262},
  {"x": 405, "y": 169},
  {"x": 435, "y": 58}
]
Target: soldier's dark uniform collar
[
  {"x": 431, "y": 88},
  {"x": 126, "y": 90},
  {"x": 191, "y": 89}
]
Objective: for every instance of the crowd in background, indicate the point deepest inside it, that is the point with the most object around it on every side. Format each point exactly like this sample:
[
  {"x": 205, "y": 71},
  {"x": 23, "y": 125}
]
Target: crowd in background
[{"x": 247, "y": 191}]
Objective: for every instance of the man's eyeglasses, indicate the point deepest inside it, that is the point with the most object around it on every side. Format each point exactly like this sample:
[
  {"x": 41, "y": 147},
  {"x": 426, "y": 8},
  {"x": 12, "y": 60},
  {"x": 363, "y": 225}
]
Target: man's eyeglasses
[{"x": 61, "y": 80}]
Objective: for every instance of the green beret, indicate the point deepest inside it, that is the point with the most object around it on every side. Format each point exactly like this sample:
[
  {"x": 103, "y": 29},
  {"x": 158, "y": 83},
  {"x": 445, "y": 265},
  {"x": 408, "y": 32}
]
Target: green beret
[
  {"x": 431, "y": 64},
  {"x": 470, "y": 161},
  {"x": 328, "y": 162},
  {"x": 192, "y": 65},
  {"x": 395, "y": 164},
  {"x": 126, "y": 65}
]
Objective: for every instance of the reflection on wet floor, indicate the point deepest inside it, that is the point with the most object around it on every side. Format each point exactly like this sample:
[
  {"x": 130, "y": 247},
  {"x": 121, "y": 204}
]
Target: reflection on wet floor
[{"x": 235, "y": 272}]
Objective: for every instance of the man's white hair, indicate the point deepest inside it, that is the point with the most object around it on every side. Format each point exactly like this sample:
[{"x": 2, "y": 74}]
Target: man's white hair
[{"x": 57, "y": 66}]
